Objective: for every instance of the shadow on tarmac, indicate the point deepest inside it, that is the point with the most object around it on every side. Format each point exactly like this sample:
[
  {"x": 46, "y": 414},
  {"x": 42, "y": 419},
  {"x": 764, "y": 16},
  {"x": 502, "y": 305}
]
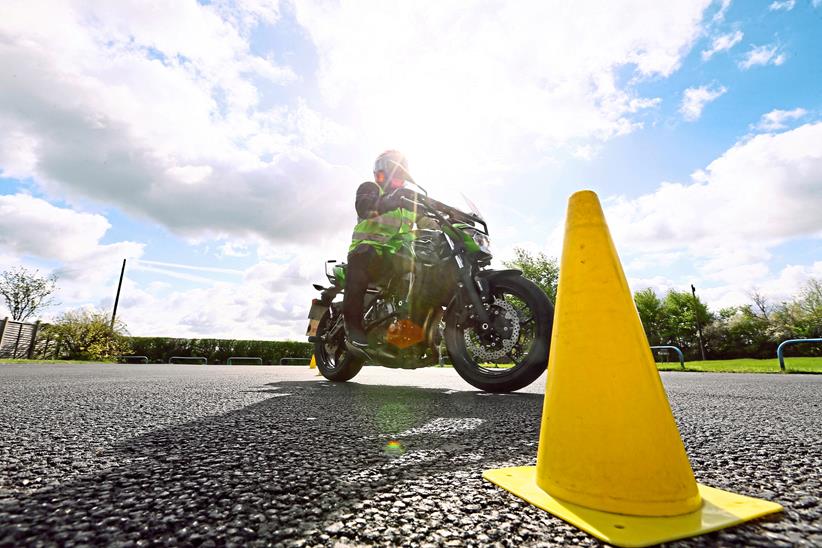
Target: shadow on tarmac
[{"x": 280, "y": 469}]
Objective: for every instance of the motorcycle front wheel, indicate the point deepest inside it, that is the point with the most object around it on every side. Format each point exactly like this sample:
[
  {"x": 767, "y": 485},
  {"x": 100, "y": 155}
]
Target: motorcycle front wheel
[{"x": 513, "y": 352}]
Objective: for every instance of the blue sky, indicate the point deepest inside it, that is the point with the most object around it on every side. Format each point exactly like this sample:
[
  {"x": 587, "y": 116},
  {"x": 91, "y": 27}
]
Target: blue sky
[{"x": 217, "y": 145}]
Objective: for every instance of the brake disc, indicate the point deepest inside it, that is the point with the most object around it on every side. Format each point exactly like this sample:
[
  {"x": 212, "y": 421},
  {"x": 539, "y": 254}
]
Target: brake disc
[{"x": 497, "y": 349}]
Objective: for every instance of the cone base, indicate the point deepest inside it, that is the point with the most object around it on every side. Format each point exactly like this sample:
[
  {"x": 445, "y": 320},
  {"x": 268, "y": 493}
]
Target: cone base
[{"x": 720, "y": 509}]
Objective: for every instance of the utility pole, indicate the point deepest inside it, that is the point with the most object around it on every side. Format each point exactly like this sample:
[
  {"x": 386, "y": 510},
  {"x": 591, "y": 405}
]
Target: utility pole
[
  {"x": 698, "y": 327},
  {"x": 117, "y": 298}
]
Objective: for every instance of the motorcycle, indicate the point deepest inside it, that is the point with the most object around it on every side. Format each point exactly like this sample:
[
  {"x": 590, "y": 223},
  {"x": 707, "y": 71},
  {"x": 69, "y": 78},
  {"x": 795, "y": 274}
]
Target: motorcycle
[{"x": 496, "y": 324}]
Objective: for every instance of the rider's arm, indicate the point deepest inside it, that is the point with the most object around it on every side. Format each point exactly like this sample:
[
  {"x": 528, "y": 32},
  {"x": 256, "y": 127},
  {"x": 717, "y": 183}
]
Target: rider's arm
[{"x": 368, "y": 195}]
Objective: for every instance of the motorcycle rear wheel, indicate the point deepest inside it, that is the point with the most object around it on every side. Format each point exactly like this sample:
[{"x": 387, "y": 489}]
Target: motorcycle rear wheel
[
  {"x": 516, "y": 299},
  {"x": 334, "y": 361}
]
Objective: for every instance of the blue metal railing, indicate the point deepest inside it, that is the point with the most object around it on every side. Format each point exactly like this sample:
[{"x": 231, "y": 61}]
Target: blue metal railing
[
  {"x": 783, "y": 344},
  {"x": 678, "y": 351}
]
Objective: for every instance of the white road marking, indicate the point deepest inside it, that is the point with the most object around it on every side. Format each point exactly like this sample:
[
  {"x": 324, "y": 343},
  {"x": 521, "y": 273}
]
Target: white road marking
[{"x": 443, "y": 426}]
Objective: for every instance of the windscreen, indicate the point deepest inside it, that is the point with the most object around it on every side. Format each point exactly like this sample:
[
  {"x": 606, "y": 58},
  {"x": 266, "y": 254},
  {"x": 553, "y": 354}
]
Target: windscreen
[{"x": 472, "y": 206}]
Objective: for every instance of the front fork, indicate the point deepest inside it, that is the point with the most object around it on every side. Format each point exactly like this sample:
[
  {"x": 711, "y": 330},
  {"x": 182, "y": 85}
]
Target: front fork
[{"x": 476, "y": 291}]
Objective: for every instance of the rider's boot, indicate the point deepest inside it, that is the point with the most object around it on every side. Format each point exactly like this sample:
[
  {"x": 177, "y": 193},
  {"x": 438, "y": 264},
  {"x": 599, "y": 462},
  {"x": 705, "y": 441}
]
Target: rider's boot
[{"x": 353, "y": 322}]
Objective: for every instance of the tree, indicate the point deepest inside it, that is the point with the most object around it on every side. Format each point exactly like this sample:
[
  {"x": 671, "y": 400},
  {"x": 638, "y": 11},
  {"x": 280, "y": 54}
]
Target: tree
[
  {"x": 679, "y": 308},
  {"x": 740, "y": 331},
  {"x": 539, "y": 268},
  {"x": 810, "y": 303},
  {"x": 761, "y": 304},
  {"x": 652, "y": 313},
  {"x": 87, "y": 335},
  {"x": 26, "y": 292}
]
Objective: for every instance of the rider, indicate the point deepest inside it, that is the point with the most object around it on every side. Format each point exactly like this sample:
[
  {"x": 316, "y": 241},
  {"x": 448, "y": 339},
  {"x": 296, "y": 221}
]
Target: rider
[{"x": 384, "y": 226}]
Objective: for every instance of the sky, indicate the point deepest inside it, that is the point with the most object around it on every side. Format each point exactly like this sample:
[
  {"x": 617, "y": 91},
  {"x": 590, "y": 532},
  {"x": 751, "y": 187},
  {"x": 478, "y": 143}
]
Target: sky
[{"x": 217, "y": 146}]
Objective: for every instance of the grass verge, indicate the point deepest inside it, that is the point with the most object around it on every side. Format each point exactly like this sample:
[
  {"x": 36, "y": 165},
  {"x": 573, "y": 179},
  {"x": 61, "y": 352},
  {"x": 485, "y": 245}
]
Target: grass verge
[
  {"x": 745, "y": 365},
  {"x": 792, "y": 365}
]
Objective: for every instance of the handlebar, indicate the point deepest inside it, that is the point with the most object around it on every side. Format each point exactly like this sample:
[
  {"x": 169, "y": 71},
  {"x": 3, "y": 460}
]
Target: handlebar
[{"x": 439, "y": 209}]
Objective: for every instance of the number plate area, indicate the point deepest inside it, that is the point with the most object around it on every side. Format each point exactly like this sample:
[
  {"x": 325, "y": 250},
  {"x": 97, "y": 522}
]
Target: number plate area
[{"x": 314, "y": 315}]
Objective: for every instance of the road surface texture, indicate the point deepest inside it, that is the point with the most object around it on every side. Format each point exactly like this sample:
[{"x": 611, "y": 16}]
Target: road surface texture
[{"x": 136, "y": 455}]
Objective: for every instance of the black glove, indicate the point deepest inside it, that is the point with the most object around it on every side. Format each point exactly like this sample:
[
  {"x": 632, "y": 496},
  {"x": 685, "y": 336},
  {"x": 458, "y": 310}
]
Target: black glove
[{"x": 394, "y": 200}]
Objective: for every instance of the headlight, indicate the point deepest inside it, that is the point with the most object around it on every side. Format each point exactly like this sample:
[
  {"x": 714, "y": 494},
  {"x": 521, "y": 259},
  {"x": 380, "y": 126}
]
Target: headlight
[{"x": 482, "y": 241}]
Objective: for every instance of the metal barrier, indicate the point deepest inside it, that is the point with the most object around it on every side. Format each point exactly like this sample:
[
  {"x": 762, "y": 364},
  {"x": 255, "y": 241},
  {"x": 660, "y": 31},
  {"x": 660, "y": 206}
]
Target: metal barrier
[
  {"x": 143, "y": 359},
  {"x": 678, "y": 351},
  {"x": 258, "y": 361},
  {"x": 284, "y": 361},
  {"x": 783, "y": 344},
  {"x": 200, "y": 358}
]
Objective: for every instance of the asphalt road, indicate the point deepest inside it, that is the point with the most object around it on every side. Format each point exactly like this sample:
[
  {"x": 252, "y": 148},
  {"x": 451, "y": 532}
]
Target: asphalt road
[{"x": 135, "y": 455}]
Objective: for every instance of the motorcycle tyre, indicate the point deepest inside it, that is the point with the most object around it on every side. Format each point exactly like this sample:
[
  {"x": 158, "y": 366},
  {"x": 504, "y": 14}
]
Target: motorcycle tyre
[
  {"x": 349, "y": 367},
  {"x": 536, "y": 361}
]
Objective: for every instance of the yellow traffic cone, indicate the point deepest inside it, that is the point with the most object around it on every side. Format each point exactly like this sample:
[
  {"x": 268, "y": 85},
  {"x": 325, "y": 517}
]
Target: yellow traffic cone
[
  {"x": 610, "y": 459},
  {"x": 313, "y": 365}
]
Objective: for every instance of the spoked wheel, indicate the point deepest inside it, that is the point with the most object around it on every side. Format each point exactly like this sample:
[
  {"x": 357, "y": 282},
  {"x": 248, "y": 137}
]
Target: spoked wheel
[
  {"x": 513, "y": 352},
  {"x": 333, "y": 360}
]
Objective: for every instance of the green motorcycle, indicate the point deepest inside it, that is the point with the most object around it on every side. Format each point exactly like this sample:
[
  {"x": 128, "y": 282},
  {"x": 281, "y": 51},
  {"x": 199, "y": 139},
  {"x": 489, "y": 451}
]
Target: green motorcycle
[{"x": 496, "y": 324}]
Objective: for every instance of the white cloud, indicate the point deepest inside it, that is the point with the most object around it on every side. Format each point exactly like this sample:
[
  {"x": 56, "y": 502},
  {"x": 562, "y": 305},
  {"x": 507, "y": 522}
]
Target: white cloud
[
  {"x": 162, "y": 112},
  {"x": 776, "y": 119},
  {"x": 267, "y": 300},
  {"x": 778, "y": 287},
  {"x": 34, "y": 230},
  {"x": 148, "y": 109},
  {"x": 719, "y": 16},
  {"x": 654, "y": 260},
  {"x": 695, "y": 99},
  {"x": 18, "y": 156},
  {"x": 786, "y": 5},
  {"x": 760, "y": 193},
  {"x": 762, "y": 55},
  {"x": 586, "y": 152},
  {"x": 32, "y": 226},
  {"x": 232, "y": 249},
  {"x": 791, "y": 278},
  {"x": 722, "y": 43},
  {"x": 250, "y": 309},
  {"x": 765, "y": 190},
  {"x": 660, "y": 284},
  {"x": 486, "y": 83}
]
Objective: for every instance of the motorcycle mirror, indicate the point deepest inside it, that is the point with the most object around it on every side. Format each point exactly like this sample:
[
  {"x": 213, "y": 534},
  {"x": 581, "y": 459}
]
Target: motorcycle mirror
[{"x": 401, "y": 168}]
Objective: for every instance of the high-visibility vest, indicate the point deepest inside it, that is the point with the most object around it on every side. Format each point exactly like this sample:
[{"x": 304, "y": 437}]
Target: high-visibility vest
[{"x": 386, "y": 232}]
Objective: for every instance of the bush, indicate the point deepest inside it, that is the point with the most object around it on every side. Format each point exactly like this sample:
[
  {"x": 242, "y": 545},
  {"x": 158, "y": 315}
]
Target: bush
[
  {"x": 87, "y": 335},
  {"x": 161, "y": 349}
]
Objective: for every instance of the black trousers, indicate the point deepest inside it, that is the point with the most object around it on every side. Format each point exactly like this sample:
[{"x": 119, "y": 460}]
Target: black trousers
[{"x": 364, "y": 265}]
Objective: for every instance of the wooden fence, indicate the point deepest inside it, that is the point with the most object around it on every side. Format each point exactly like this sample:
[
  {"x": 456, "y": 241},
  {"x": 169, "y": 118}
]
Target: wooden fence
[{"x": 17, "y": 339}]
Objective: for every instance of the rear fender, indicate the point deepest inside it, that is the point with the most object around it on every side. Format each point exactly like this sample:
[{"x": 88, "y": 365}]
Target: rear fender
[{"x": 327, "y": 294}]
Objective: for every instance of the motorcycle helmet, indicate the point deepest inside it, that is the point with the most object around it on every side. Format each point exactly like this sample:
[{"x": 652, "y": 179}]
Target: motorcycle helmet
[{"x": 387, "y": 172}]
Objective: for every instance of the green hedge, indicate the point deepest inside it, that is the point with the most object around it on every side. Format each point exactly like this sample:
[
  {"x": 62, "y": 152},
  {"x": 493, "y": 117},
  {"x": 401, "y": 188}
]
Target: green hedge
[{"x": 160, "y": 349}]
